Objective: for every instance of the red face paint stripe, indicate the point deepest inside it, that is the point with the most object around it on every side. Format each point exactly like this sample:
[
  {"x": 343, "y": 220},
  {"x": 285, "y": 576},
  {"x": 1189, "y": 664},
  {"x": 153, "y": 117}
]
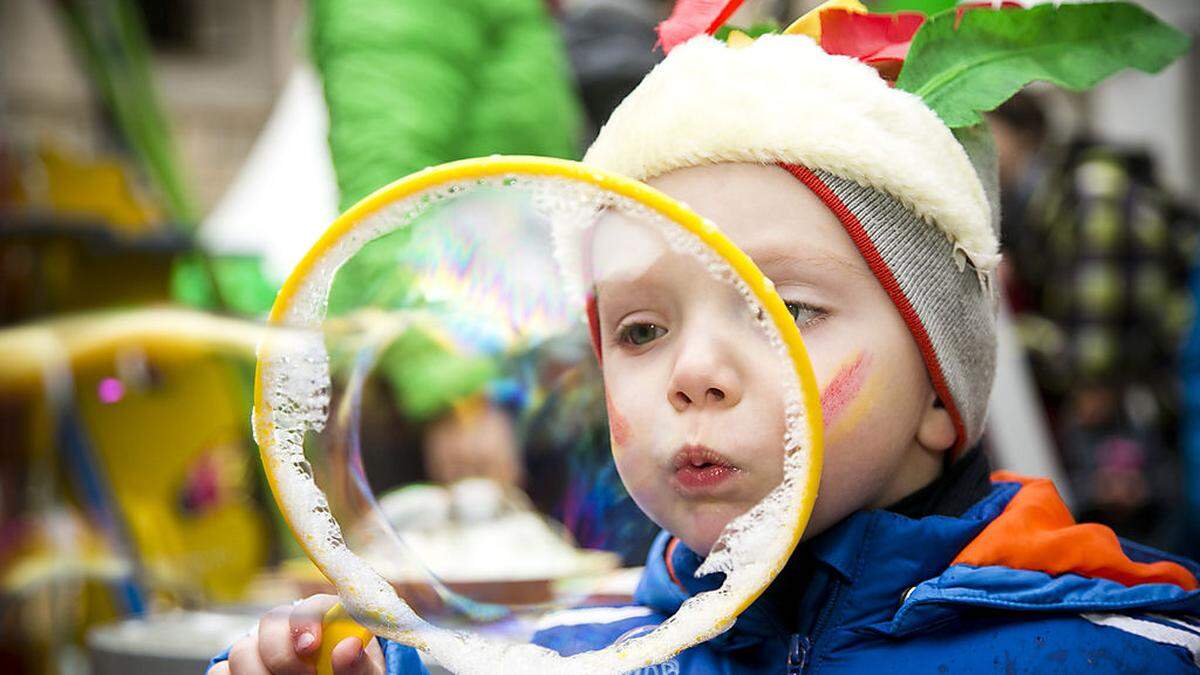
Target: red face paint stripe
[
  {"x": 617, "y": 425},
  {"x": 842, "y": 389},
  {"x": 866, "y": 247}
]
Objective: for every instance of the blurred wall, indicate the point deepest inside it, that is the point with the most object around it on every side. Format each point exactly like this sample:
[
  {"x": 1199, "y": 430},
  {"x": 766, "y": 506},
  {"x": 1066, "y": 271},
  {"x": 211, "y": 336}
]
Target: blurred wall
[{"x": 218, "y": 64}]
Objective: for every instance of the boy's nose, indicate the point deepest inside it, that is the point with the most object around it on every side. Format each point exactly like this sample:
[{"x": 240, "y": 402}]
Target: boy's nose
[{"x": 702, "y": 379}]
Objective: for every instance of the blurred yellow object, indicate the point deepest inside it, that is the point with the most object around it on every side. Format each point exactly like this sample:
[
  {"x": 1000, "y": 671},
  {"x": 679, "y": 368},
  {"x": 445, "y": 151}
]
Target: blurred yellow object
[
  {"x": 164, "y": 409},
  {"x": 737, "y": 39},
  {"x": 100, "y": 188},
  {"x": 89, "y": 338},
  {"x": 60, "y": 547}
]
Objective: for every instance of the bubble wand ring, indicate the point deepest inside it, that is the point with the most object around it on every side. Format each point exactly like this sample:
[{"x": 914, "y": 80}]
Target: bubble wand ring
[{"x": 292, "y": 379}]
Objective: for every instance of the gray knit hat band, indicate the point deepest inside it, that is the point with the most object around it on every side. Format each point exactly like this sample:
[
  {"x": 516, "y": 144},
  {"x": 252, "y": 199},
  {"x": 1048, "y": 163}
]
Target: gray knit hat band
[{"x": 949, "y": 311}]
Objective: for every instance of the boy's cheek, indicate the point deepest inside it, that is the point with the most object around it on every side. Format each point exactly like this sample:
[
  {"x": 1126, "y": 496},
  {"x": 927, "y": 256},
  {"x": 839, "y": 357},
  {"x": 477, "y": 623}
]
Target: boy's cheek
[{"x": 637, "y": 474}]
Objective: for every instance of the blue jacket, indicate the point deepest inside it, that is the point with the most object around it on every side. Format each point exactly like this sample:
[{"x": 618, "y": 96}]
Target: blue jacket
[{"x": 890, "y": 594}]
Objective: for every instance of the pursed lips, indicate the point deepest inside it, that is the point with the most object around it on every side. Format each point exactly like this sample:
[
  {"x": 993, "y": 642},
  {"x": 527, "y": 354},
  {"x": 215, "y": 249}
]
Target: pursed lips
[{"x": 701, "y": 469}]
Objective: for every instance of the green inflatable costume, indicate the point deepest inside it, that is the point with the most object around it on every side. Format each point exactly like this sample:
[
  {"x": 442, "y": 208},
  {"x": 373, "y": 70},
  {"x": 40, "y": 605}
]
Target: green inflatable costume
[{"x": 413, "y": 83}]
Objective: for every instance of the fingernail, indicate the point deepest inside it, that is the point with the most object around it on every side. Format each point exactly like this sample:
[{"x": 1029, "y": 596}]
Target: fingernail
[{"x": 304, "y": 641}]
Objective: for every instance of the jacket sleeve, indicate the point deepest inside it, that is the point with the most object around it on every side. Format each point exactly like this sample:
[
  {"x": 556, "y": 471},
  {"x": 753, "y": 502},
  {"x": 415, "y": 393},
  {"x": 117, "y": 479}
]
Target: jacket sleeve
[
  {"x": 219, "y": 658},
  {"x": 585, "y": 629},
  {"x": 401, "y": 659}
]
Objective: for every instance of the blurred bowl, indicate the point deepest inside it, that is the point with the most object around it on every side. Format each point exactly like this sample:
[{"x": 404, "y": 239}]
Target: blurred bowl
[{"x": 164, "y": 644}]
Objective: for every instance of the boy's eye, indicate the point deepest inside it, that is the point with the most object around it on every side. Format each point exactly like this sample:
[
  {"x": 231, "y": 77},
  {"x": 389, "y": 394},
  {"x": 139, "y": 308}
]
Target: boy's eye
[
  {"x": 638, "y": 334},
  {"x": 804, "y": 314}
]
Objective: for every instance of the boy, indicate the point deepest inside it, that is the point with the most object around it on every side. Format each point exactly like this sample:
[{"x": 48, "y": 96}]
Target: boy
[{"x": 874, "y": 223}]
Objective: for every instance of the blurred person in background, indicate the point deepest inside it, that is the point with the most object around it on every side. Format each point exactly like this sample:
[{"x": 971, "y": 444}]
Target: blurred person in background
[
  {"x": 1097, "y": 261},
  {"x": 610, "y": 44}
]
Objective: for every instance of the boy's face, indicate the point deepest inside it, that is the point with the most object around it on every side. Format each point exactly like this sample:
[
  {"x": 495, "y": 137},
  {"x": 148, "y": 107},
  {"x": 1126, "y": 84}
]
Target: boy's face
[{"x": 695, "y": 393}]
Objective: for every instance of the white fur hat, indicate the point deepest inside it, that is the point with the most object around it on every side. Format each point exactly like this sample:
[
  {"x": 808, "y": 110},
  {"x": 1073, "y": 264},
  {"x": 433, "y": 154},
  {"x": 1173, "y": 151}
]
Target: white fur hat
[
  {"x": 783, "y": 99},
  {"x": 910, "y": 196}
]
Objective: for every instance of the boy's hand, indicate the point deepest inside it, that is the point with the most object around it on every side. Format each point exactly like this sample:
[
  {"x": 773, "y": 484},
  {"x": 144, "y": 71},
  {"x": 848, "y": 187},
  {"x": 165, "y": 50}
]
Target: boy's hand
[{"x": 286, "y": 642}]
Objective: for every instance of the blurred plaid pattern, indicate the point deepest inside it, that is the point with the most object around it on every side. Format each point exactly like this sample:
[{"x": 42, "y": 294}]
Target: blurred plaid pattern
[{"x": 1101, "y": 258}]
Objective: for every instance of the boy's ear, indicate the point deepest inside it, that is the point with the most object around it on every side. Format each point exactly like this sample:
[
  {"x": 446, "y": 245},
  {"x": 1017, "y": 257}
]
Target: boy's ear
[{"x": 936, "y": 431}]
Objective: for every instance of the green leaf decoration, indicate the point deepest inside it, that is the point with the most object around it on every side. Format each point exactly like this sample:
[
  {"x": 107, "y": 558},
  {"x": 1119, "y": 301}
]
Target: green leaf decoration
[
  {"x": 926, "y": 7},
  {"x": 961, "y": 71}
]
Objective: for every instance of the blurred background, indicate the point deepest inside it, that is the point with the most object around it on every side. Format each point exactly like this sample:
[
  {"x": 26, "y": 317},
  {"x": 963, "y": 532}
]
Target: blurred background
[{"x": 165, "y": 163}]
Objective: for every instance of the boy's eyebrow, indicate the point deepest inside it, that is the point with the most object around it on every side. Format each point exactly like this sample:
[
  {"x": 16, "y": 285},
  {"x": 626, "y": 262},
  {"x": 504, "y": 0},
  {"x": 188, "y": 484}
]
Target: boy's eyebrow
[
  {"x": 625, "y": 283},
  {"x": 824, "y": 259}
]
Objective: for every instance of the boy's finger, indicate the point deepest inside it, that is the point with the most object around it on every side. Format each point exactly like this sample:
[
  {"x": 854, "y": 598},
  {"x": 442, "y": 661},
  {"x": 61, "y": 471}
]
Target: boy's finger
[
  {"x": 375, "y": 656},
  {"x": 244, "y": 658},
  {"x": 349, "y": 658},
  {"x": 277, "y": 646},
  {"x": 304, "y": 622}
]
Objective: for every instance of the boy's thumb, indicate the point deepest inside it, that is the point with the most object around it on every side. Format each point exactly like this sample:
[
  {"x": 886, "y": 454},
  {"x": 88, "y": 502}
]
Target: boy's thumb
[{"x": 305, "y": 622}]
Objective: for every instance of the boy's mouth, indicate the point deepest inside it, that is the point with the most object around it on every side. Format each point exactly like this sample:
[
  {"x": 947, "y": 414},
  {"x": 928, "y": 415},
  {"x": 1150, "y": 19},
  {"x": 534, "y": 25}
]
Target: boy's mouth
[{"x": 701, "y": 469}]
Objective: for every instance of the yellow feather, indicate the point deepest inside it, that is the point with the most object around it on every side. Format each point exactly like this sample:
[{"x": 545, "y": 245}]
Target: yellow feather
[
  {"x": 810, "y": 23},
  {"x": 737, "y": 39}
]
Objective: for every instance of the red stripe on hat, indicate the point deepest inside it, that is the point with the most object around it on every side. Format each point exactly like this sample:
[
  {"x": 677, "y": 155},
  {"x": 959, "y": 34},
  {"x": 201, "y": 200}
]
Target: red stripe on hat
[
  {"x": 593, "y": 317},
  {"x": 883, "y": 273}
]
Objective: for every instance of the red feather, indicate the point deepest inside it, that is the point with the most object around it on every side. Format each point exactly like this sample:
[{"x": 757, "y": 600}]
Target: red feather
[
  {"x": 879, "y": 40},
  {"x": 690, "y": 18}
]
